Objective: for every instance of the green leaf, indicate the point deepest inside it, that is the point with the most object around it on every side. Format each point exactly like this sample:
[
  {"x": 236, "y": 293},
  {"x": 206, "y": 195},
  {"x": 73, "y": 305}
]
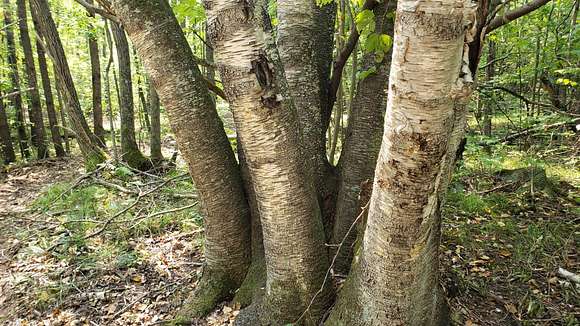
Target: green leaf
[
  {"x": 364, "y": 74},
  {"x": 365, "y": 22}
]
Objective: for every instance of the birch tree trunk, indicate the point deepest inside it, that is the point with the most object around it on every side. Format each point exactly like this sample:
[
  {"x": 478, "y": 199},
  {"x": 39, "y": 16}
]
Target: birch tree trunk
[
  {"x": 267, "y": 125},
  {"x": 170, "y": 64},
  {"x": 130, "y": 152},
  {"x": 34, "y": 110},
  {"x": 362, "y": 144},
  {"x": 92, "y": 154},
  {"x": 16, "y": 99},
  {"x": 395, "y": 280}
]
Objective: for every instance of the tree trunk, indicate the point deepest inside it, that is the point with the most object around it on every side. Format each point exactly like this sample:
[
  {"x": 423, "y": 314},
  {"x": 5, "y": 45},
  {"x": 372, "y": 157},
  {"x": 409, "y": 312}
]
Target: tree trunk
[
  {"x": 96, "y": 83},
  {"x": 34, "y": 110},
  {"x": 170, "y": 64},
  {"x": 155, "y": 133},
  {"x": 130, "y": 152},
  {"x": 5, "y": 137},
  {"x": 46, "y": 87},
  {"x": 363, "y": 142},
  {"x": 16, "y": 99},
  {"x": 305, "y": 43},
  {"x": 395, "y": 280},
  {"x": 267, "y": 125},
  {"x": 489, "y": 74},
  {"x": 108, "y": 91},
  {"x": 141, "y": 93},
  {"x": 92, "y": 154},
  {"x": 63, "y": 124}
]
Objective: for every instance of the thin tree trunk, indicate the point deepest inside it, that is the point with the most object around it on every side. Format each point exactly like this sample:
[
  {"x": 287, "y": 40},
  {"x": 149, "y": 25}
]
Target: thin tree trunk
[
  {"x": 141, "y": 93},
  {"x": 16, "y": 99},
  {"x": 170, "y": 64},
  {"x": 5, "y": 137},
  {"x": 155, "y": 132},
  {"x": 34, "y": 110},
  {"x": 96, "y": 83},
  {"x": 49, "y": 100},
  {"x": 130, "y": 152},
  {"x": 108, "y": 91},
  {"x": 395, "y": 280},
  {"x": 362, "y": 144},
  {"x": 267, "y": 125},
  {"x": 63, "y": 124},
  {"x": 92, "y": 153},
  {"x": 489, "y": 74}
]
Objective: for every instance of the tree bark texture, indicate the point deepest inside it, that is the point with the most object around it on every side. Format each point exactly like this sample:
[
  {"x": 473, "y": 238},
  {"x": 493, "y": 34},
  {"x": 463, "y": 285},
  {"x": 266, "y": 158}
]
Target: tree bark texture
[
  {"x": 92, "y": 154},
  {"x": 267, "y": 125},
  {"x": 34, "y": 110},
  {"x": 5, "y": 138},
  {"x": 363, "y": 142},
  {"x": 98, "y": 128},
  {"x": 170, "y": 64},
  {"x": 130, "y": 152},
  {"x": 305, "y": 42},
  {"x": 16, "y": 99},
  {"x": 395, "y": 280},
  {"x": 48, "y": 97}
]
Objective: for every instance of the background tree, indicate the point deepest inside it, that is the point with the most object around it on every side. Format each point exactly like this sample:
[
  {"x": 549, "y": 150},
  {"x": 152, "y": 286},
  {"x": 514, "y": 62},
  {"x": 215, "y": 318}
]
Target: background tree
[{"x": 15, "y": 96}]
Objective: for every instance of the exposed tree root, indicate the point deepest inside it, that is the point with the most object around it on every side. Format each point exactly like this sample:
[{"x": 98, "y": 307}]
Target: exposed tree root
[{"x": 213, "y": 288}]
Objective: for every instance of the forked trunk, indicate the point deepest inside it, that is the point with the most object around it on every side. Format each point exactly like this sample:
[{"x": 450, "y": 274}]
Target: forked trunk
[
  {"x": 130, "y": 152},
  {"x": 170, "y": 64},
  {"x": 362, "y": 143},
  {"x": 92, "y": 154},
  {"x": 395, "y": 280},
  {"x": 34, "y": 109},
  {"x": 15, "y": 99},
  {"x": 267, "y": 126}
]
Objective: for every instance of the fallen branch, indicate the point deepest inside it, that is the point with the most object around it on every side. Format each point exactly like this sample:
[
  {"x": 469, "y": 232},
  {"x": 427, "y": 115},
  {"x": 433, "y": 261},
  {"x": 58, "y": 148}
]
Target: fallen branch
[
  {"x": 572, "y": 277},
  {"x": 114, "y": 186},
  {"x": 537, "y": 129},
  {"x": 167, "y": 211}
]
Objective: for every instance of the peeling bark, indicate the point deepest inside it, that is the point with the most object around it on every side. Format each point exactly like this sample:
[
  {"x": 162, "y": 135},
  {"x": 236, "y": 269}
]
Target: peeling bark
[
  {"x": 395, "y": 280},
  {"x": 267, "y": 125},
  {"x": 170, "y": 64}
]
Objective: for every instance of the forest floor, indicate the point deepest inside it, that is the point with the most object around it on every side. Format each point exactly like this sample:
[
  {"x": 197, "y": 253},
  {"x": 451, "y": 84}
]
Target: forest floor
[{"x": 124, "y": 248}]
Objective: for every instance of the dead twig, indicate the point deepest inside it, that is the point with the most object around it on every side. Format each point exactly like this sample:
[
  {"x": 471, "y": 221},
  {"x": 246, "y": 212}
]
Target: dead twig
[{"x": 364, "y": 209}]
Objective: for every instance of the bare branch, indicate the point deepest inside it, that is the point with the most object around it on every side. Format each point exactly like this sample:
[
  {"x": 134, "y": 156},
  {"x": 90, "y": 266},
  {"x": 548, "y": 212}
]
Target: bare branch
[
  {"x": 514, "y": 14},
  {"x": 95, "y": 10},
  {"x": 340, "y": 62}
]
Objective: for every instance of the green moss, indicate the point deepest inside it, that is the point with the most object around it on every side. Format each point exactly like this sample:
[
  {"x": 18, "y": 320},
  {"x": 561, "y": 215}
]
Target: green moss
[
  {"x": 253, "y": 284},
  {"x": 213, "y": 287}
]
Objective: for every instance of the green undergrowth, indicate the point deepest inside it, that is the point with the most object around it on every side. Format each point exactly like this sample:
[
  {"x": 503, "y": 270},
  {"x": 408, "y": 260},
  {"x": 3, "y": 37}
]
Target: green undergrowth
[
  {"x": 95, "y": 227},
  {"x": 505, "y": 236}
]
